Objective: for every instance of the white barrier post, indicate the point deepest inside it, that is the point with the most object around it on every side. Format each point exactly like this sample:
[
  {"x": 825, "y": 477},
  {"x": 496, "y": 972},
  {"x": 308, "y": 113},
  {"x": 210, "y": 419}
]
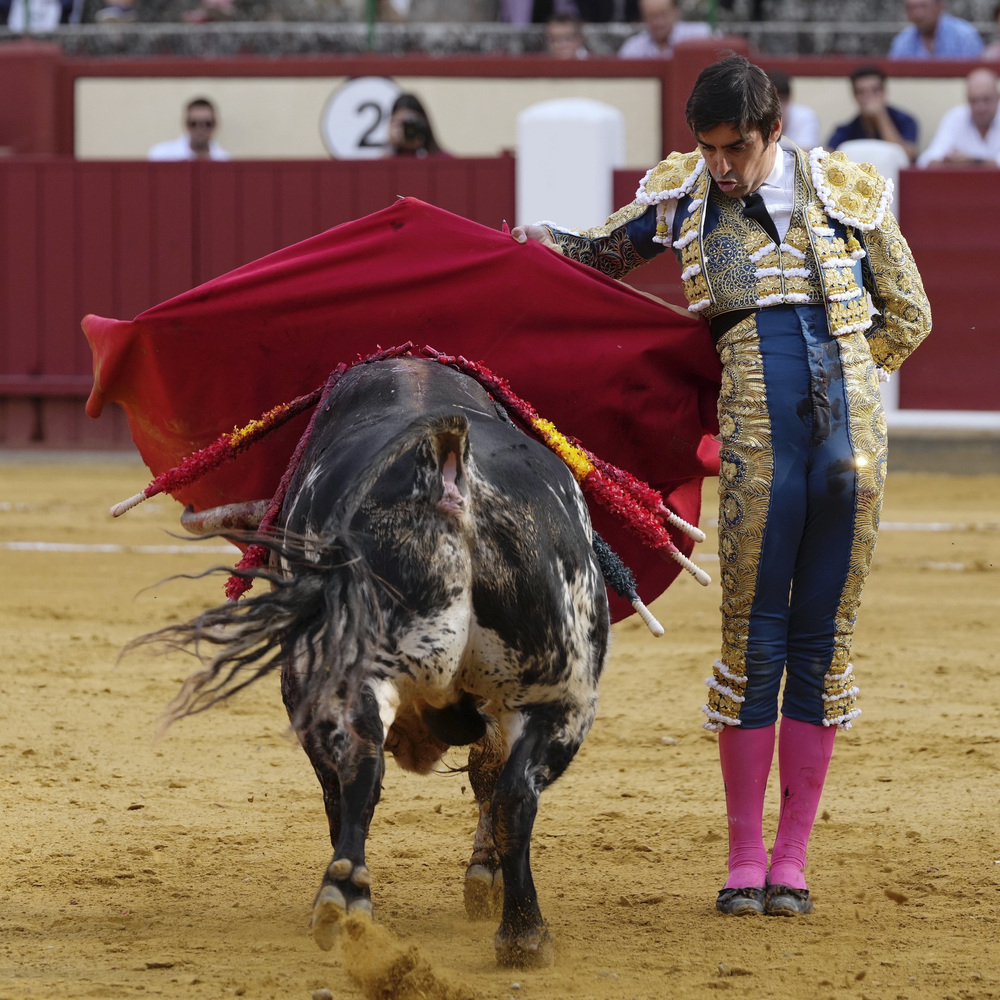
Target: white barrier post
[{"x": 567, "y": 150}]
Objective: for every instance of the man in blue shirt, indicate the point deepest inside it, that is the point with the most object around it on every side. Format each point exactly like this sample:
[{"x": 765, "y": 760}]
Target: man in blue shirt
[
  {"x": 877, "y": 119},
  {"x": 933, "y": 34}
]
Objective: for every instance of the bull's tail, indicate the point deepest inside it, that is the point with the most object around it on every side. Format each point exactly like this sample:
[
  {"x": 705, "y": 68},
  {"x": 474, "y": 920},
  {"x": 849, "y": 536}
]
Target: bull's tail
[
  {"x": 323, "y": 608},
  {"x": 323, "y": 612}
]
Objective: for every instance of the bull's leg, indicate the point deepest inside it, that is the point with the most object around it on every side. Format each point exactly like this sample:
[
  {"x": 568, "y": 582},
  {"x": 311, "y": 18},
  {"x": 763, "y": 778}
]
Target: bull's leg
[
  {"x": 549, "y": 738},
  {"x": 349, "y": 764},
  {"x": 483, "y": 877}
]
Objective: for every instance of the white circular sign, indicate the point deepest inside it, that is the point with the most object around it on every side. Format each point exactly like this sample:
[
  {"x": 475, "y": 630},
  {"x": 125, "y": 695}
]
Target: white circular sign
[{"x": 355, "y": 122}]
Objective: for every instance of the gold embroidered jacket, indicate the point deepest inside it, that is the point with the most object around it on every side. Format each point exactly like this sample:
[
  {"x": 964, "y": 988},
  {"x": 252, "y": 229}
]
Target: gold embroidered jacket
[{"x": 842, "y": 241}]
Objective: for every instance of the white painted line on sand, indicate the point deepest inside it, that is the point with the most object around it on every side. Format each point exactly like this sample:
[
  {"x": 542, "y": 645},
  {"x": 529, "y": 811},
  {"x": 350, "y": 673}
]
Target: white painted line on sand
[{"x": 146, "y": 550}]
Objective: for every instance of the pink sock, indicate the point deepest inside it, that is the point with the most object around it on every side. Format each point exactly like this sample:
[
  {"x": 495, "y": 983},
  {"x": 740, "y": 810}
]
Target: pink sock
[
  {"x": 745, "y": 756},
  {"x": 804, "y": 753}
]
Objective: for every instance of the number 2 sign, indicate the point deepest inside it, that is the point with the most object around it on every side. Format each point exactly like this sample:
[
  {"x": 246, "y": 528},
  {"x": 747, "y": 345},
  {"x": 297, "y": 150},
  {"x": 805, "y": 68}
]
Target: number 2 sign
[{"x": 355, "y": 121}]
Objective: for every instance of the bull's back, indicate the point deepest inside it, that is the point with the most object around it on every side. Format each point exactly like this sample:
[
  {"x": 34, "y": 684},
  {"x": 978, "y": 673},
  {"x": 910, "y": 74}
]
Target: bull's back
[{"x": 519, "y": 555}]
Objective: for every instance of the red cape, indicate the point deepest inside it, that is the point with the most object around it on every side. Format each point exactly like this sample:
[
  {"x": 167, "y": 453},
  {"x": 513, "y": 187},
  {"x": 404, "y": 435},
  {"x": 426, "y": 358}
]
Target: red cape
[{"x": 632, "y": 380}]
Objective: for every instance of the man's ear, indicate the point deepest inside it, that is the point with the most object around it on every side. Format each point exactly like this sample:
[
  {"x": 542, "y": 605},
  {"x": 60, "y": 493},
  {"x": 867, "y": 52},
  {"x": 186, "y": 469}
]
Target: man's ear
[{"x": 775, "y": 131}]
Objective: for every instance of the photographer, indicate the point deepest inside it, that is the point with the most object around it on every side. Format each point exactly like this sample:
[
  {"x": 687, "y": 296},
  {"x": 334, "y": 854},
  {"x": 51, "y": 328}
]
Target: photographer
[{"x": 410, "y": 132}]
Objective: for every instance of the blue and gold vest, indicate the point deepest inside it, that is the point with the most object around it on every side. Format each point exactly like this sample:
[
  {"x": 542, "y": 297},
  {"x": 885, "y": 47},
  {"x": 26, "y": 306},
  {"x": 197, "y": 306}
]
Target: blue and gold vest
[{"x": 729, "y": 263}]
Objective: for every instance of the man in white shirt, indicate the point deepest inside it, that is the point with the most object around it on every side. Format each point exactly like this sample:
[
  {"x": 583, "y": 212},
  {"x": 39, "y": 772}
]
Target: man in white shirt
[
  {"x": 663, "y": 30},
  {"x": 969, "y": 135},
  {"x": 200, "y": 121}
]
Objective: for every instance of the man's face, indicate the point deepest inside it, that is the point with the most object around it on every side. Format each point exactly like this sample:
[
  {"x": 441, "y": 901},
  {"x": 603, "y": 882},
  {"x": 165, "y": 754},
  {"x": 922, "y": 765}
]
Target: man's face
[
  {"x": 923, "y": 13},
  {"x": 869, "y": 92},
  {"x": 200, "y": 124},
  {"x": 981, "y": 92},
  {"x": 562, "y": 40},
  {"x": 739, "y": 161},
  {"x": 659, "y": 16}
]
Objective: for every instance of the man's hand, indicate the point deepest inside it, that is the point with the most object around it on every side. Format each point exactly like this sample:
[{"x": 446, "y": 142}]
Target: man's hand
[
  {"x": 538, "y": 233},
  {"x": 871, "y": 105}
]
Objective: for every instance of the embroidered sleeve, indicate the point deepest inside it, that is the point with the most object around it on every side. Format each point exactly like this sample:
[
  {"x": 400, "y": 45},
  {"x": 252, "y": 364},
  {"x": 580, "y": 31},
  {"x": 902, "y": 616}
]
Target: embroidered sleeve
[
  {"x": 622, "y": 244},
  {"x": 892, "y": 279}
]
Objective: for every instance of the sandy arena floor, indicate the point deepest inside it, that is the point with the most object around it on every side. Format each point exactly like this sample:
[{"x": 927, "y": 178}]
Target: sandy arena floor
[{"x": 186, "y": 867}]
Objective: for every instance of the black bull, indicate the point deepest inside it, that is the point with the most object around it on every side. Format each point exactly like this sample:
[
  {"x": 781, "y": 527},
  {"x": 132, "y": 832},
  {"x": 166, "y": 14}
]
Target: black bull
[{"x": 433, "y": 584}]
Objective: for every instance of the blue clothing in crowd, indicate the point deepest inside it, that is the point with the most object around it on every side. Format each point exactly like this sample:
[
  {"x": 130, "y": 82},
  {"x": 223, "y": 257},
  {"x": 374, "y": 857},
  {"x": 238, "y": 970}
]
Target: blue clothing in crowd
[
  {"x": 905, "y": 124},
  {"x": 954, "y": 39}
]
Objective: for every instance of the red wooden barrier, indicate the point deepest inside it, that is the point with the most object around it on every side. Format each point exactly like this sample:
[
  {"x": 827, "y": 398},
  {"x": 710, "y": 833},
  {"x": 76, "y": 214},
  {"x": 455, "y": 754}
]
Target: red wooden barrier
[
  {"x": 951, "y": 220},
  {"x": 116, "y": 238}
]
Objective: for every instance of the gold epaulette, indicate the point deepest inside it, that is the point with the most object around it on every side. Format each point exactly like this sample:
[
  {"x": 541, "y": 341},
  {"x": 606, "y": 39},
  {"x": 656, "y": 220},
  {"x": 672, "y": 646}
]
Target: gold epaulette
[
  {"x": 671, "y": 178},
  {"x": 855, "y": 193}
]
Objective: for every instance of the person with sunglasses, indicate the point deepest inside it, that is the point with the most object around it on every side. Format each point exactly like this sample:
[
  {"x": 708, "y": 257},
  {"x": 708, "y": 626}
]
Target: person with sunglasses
[{"x": 200, "y": 122}]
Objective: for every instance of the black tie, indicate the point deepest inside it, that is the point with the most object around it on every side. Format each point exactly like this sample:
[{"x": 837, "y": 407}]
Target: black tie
[{"x": 754, "y": 208}]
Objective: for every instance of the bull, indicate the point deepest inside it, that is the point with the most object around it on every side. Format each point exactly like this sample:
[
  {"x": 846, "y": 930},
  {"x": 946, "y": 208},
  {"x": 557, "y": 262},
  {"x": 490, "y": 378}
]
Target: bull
[{"x": 433, "y": 584}]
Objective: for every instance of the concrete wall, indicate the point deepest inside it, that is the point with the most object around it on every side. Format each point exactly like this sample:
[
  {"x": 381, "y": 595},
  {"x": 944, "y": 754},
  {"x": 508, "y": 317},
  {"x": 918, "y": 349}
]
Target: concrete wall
[{"x": 278, "y": 118}]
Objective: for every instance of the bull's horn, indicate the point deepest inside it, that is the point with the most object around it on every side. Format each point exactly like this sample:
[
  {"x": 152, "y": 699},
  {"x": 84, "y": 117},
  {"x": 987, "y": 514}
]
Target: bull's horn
[{"x": 232, "y": 517}]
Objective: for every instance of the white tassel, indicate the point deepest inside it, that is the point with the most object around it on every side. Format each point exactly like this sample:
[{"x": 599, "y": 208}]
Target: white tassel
[
  {"x": 644, "y": 613},
  {"x": 678, "y": 522},
  {"x": 125, "y": 505},
  {"x": 696, "y": 571}
]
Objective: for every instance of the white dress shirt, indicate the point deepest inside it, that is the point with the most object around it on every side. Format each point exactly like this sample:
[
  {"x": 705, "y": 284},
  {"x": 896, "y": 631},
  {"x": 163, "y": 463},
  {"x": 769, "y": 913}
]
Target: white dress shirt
[
  {"x": 957, "y": 132},
  {"x": 180, "y": 149},
  {"x": 777, "y": 191},
  {"x": 642, "y": 46}
]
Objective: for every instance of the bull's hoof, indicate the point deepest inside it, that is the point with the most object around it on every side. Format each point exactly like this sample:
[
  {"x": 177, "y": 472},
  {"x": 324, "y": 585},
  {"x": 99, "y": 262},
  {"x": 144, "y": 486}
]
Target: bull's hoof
[
  {"x": 334, "y": 903},
  {"x": 532, "y": 949},
  {"x": 483, "y": 892}
]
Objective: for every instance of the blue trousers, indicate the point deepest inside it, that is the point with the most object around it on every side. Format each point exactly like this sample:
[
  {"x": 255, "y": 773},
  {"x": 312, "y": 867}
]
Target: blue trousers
[{"x": 800, "y": 418}]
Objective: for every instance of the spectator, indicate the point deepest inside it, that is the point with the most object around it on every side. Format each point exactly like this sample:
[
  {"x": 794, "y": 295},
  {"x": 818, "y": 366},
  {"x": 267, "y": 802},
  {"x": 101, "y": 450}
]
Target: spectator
[
  {"x": 200, "y": 122},
  {"x": 410, "y": 132},
  {"x": 798, "y": 122},
  {"x": 969, "y": 135},
  {"x": 933, "y": 34},
  {"x": 564, "y": 37},
  {"x": 663, "y": 30},
  {"x": 877, "y": 120},
  {"x": 992, "y": 51}
]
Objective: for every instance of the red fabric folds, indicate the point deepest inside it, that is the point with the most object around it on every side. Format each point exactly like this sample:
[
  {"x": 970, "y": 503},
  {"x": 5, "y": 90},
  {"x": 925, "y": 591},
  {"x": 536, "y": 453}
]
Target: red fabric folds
[{"x": 634, "y": 381}]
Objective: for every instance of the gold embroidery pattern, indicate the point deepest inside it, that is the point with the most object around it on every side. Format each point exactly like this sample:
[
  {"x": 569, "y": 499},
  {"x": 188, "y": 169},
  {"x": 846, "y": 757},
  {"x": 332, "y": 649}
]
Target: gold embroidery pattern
[
  {"x": 898, "y": 294},
  {"x": 689, "y": 246},
  {"x": 745, "y": 477},
  {"x": 607, "y": 248},
  {"x": 747, "y": 469},
  {"x": 669, "y": 178},
  {"x": 854, "y": 193},
  {"x": 846, "y": 307},
  {"x": 866, "y": 426}
]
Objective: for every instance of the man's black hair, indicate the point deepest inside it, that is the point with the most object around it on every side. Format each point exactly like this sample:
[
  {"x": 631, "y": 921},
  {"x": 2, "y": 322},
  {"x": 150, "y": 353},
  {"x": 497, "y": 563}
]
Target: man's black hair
[
  {"x": 867, "y": 71},
  {"x": 733, "y": 92},
  {"x": 781, "y": 81}
]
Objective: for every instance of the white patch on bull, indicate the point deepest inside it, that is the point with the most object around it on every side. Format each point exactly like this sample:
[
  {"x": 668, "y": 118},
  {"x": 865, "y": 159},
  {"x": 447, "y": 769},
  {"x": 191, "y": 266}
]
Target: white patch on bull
[
  {"x": 431, "y": 651},
  {"x": 388, "y": 702},
  {"x": 512, "y": 726},
  {"x": 494, "y": 671}
]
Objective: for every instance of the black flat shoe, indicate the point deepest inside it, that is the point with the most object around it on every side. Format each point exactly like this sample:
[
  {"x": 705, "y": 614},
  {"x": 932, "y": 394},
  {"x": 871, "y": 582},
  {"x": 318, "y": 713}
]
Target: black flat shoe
[
  {"x": 783, "y": 901},
  {"x": 740, "y": 902}
]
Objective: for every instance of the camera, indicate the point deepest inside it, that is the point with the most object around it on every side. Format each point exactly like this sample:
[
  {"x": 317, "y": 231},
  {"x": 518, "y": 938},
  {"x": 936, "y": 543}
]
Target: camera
[{"x": 415, "y": 130}]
